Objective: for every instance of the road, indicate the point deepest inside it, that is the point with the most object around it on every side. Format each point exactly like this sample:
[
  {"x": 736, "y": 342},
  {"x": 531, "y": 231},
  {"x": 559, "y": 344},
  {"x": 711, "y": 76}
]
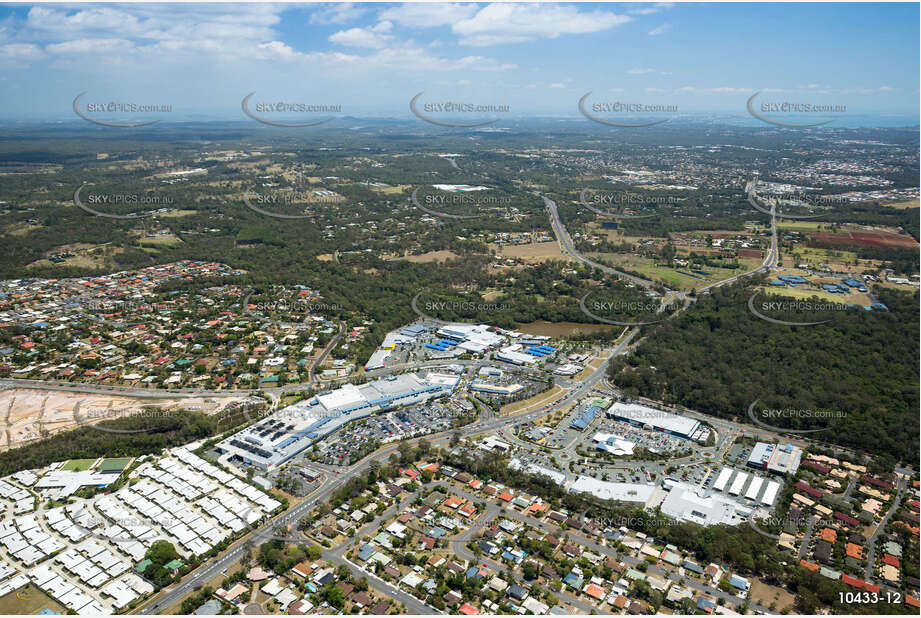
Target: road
[
  {"x": 331, "y": 484},
  {"x": 124, "y": 391},
  {"x": 772, "y": 258},
  {"x": 807, "y": 535},
  {"x": 567, "y": 246},
  {"x": 871, "y": 542},
  {"x": 205, "y": 573},
  {"x": 329, "y": 348}
]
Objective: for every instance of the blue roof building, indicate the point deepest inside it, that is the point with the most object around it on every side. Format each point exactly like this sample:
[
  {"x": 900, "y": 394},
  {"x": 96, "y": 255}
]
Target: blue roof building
[
  {"x": 738, "y": 582},
  {"x": 573, "y": 581},
  {"x": 365, "y": 553},
  {"x": 706, "y": 605}
]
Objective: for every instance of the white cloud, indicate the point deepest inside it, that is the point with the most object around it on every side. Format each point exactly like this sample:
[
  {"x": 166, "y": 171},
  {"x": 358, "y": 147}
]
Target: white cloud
[
  {"x": 91, "y": 46},
  {"x": 240, "y": 40},
  {"x": 640, "y": 71},
  {"x": 156, "y": 23},
  {"x": 428, "y": 15},
  {"x": 278, "y": 49},
  {"x": 498, "y": 24},
  {"x": 660, "y": 30},
  {"x": 375, "y": 38},
  {"x": 92, "y": 19},
  {"x": 558, "y": 85},
  {"x": 337, "y": 13},
  {"x": 21, "y": 51},
  {"x": 650, "y": 10}
]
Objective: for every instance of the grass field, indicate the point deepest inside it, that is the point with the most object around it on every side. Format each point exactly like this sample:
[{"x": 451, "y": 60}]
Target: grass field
[
  {"x": 533, "y": 252},
  {"x": 28, "y": 600},
  {"x": 20, "y": 229},
  {"x": 811, "y": 255},
  {"x": 78, "y": 465},
  {"x": 431, "y": 256},
  {"x": 590, "y": 368},
  {"x": 162, "y": 241},
  {"x": 801, "y": 226},
  {"x": 115, "y": 463},
  {"x": 903, "y": 205},
  {"x": 616, "y": 236},
  {"x": 174, "y": 214},
  {"x": 533, "y": 402},
  {"x": 391, "y": 190},
  {"x": 771, "y": 596},
  {"x": 670, "y": 276},
  {"x": 803, "y": 293},
  {"x": 563, "y": 329}
]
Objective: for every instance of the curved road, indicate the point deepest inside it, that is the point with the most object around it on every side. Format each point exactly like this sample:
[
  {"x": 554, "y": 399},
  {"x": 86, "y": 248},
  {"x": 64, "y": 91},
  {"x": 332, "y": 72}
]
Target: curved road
[{"x": 566, "y": 244}]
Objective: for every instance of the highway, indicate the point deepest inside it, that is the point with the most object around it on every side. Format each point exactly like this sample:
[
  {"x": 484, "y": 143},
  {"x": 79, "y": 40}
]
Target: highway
[
  {"x": 771, "y": 260},
  {"x": 121, "y": 391},
  {"x": 567, "y": 246}
]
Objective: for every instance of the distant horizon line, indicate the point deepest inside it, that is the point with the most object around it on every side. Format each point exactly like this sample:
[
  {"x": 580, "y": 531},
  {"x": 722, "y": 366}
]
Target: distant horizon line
[{"x": 913, "y": 120}]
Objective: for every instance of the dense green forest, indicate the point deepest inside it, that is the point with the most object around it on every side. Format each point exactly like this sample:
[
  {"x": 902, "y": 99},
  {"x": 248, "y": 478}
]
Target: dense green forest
[{"x": 718, "y": 358}]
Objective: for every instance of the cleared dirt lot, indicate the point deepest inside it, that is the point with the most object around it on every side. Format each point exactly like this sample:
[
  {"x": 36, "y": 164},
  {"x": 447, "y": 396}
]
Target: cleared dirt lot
[
  {"x": 432, "y": 256},
  {"x": 533, "y": 252},
  {"x": 533, "y": 402},
  {"x": 26, "y": 413},
  {"x": 771, "y": 596},
  {"x": 866, "y": 239}
]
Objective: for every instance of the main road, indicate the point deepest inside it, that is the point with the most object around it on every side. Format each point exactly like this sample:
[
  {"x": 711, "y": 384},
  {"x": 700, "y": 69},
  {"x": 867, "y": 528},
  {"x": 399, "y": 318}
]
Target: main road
[
  {"x": 771, "y": 260},
  {"x": 566, "y": 244}
]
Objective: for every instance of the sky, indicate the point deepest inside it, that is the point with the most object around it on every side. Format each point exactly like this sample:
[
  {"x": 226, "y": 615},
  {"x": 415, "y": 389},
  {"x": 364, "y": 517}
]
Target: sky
[{"x": 536, "y": 59}]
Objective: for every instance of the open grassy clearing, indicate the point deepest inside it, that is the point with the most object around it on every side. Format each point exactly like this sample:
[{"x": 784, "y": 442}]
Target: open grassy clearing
[
  {"x": 804, "y": 293},
  {"x": 903, "y": 205},
  {"x": 671, "y": 276},
  {"x": 533, "y": 402},
  {"x": 532, "y": 252},
  {"x": 78, "y": 465},
  {"x": 28, "y": 600}
]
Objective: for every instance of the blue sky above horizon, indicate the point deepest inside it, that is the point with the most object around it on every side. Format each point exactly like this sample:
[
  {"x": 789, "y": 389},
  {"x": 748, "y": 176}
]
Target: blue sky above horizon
[{"x": 537, "y": 59}]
